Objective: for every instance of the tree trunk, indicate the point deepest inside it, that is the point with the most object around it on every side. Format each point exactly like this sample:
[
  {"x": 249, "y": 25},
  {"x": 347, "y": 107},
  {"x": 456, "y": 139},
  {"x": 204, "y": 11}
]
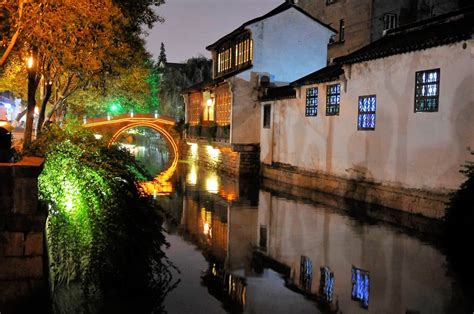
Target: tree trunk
[
  {"x": 39, "y": 125},
  {"x": 30, "y": 114},
  {"x": 20, "y": 115}
]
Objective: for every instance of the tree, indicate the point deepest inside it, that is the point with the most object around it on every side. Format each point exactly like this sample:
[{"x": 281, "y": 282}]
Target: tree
[
  {"x": 175, "y": 79},
  {"x": 64, "y": 34},
  {"x": 162, "y": 57}
]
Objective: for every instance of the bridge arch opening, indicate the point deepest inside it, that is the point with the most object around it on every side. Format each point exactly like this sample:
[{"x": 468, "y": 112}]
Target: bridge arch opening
[{"x": 172, "y": 145}]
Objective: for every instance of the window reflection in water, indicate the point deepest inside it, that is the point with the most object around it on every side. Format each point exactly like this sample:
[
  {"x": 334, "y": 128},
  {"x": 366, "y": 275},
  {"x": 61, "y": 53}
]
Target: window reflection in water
[
  {"x": 360, "y": 286},
  {"x": 326, "y": 284},
  {"x": 306, "y": 273},
  {"x": 230, "y": 288}
]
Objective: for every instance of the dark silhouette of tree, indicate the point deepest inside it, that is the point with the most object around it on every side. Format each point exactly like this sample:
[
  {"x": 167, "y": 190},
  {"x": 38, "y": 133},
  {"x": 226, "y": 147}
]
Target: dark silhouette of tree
[
  {"x": 162, "y": 57},
  {"x": 175, "y": 78}
]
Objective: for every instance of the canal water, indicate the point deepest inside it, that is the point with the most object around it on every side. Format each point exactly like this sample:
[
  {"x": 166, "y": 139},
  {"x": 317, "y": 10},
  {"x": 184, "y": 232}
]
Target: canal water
[{"x": 241, "y": 246}]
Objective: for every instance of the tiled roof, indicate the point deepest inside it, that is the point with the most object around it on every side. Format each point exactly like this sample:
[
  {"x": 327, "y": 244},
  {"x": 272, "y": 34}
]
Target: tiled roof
[
  {"x": 326, "y": 74},
  {"x": 198, "y": 87},
  {"x": 281, "y": 92},
  {"x": 281, "y": 8},
  {"x": 437, "y": 31}
]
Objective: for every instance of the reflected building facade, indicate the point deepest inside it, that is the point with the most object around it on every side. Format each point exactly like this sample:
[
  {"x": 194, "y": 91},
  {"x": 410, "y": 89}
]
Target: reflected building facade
[{"x": 261, "y": 245}]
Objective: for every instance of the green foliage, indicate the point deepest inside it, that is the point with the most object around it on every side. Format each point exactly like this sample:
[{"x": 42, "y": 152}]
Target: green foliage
[
  {"x": 102, "y": 230},
  {"x": 459, "y": 221},
  {"x": 175, "y": 80}
]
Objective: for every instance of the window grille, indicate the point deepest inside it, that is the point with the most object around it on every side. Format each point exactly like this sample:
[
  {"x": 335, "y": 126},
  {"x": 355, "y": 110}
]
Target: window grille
[
  {"x": 311, "y": 102},
  {"x": 333, "y": 99},
  {"x": 427, "y": 90},
  {"x": 366, "y": 118}
]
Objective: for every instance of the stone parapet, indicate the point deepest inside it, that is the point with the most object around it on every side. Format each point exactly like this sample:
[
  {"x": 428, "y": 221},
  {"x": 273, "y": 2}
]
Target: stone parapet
[{"x": 22, "y": 224}]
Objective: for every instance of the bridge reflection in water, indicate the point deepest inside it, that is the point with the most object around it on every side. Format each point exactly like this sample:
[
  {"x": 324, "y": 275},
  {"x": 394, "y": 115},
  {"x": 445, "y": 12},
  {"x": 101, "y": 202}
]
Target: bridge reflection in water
[{"x": 261, "y": 251}]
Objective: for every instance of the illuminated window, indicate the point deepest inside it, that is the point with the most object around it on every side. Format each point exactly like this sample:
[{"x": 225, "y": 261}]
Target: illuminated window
[
  {"x": 366, "y": 119},
  {"x": 306, "y": 273},
  {"x": 360, "y": 286},
  {"x": 311, "y": 102},
  {"x": 209, "y": 102},
  {"x": 333, "y": 99},
  {"x": 235, "y": 54},
  {"x": 194, "y": 108},
  {"x": 222, "y": 106},
  {"x": 427, "y": 91},
  {"x": 266, "y": 116}
]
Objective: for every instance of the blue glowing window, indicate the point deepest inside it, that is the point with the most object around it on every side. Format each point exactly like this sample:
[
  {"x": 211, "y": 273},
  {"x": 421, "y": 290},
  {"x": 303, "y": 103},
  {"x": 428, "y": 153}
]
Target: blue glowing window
[
  {"x": 360, "y": 286},
  {"x": 311, "y": 102},
  {"x": 333, "y": 99},
  {"x": 306, "y": 273},
  {"x": 366, "y": 118},
  {"x": 326, "y": 284},
  {"x": 427, "y": 91}
]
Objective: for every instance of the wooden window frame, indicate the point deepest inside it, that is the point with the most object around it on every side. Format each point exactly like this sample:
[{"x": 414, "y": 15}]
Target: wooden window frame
[
  {"x": 420, "y": 98},
  {"x": 311, "y": 108},
  {"x": 329, "y": 96},
  {"x": 361, "y": 113}
]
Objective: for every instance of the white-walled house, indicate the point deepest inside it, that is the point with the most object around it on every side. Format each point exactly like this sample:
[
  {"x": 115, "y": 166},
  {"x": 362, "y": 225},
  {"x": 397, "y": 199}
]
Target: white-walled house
[
  {"x": 390, "y": 124},
  {"x": 272, "y": 49}
]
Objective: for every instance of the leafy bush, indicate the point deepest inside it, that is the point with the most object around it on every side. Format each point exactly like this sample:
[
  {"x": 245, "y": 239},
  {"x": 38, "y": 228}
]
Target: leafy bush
[
  {"x": 459, "y": 221},
  {"x": 102, "y": 230}
]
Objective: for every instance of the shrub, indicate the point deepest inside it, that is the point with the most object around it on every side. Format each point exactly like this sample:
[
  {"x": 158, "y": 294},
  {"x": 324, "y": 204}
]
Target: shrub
[
  {"x": 102, "y": 230},
  {"x": 459, "y": 222}
]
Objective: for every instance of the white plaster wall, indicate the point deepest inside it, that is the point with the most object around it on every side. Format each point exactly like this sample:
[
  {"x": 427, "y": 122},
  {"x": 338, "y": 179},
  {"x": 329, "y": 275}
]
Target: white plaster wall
[
  {"x": 415, "y": 150},
  {"x": 288, "y": 45},
  {"x": 245, "y": 112}
]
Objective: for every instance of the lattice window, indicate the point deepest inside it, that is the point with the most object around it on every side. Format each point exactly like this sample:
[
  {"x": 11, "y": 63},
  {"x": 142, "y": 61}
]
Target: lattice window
[
  {"x": 366, "y": 119},
  {"x": 427, "y": 91},
  {"x": 333, "y": 99},
  {"x": 224, "y": 60},
  {"x": 311, "y": 102},
  {"x": 234, "y": 54},
  {"x": 223, "y": 106},
  {"x": 194, "y": 108}
]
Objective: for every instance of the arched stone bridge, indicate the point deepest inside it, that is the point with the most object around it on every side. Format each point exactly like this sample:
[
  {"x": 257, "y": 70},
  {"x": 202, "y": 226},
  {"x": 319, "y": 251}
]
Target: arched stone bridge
[{"x": 111, "y": 127}]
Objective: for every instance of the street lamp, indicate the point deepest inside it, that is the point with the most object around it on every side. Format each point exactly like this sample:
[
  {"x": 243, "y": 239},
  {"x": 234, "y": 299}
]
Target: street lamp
[{"x": 32, "y": 85}]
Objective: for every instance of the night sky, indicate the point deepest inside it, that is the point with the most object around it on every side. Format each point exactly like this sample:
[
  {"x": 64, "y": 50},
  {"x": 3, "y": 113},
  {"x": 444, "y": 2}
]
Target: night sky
[{"x": 191, "y": 25}]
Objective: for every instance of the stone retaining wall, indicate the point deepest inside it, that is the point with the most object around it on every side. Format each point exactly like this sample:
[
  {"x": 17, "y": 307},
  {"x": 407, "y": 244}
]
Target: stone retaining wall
[
  {"x": 425, "y": 203},
  {"x": 22, "y": 267},
  {"x": 234, "y": 160}
]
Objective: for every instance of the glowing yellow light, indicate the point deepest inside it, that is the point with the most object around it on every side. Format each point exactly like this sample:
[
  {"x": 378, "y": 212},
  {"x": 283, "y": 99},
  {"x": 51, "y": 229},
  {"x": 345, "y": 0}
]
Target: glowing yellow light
[
  {"x": 97, "y": 136},
  {"x": 206, "y": 228},
  {"x": 30, "y": 62},
  {"x": 209, "y": 102},
  {"x": 213, "y": 152},
  {"x": 191, "y": 178},
  {"x": 212, "y": 184},
  {"x": 193, "y": 149}
]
